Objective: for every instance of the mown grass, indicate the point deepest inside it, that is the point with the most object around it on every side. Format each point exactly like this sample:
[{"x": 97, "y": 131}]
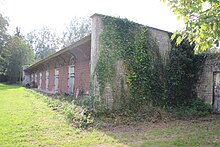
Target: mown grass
[{"x": 26, "y": 120}]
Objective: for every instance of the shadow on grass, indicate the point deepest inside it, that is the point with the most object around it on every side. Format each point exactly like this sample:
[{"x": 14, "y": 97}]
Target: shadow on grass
[
  {"x": 195, "y": 132},
  {"x": 6, "y": 86}
]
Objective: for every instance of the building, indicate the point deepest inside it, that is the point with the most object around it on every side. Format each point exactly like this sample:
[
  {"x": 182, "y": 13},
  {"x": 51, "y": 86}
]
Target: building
[
  {"x": 72, "y": 70},
  {"x": 68, "y": 71}
]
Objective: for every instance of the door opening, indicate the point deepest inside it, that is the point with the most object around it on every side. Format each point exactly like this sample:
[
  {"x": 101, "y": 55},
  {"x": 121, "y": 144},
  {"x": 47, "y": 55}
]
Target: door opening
[{"x": 216, "y": 92}]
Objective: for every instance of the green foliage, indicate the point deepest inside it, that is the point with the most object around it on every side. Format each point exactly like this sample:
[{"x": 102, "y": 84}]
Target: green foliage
[
  {"x": 84, "y": 101},
  {"x": 14, "y": 53},
  {"x": 150, "y": 82},
  {"x": 182, "y": 73},
  {"x": 3, "y": 40},
  {"x": 44, "y": 42},
  {"x": 197, "y": 108},
  {"x": 202, "y": 21},
  {"x": 76, "y": 30},
  {"x": 76, "y": 114},
  {"x": 19, "y": 54},
  {"x": 123, "y": 40},
  {"x": 33, "y": 123}
]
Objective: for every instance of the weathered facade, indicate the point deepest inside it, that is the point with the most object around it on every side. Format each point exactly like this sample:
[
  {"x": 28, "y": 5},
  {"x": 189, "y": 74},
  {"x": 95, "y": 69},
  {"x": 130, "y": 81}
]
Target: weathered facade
[
  {"x": 66, "y": 72},
  {"x": 72, "y": 70},
  {"x": 208, "y": 87},
  {"x": 110, "y": 96}
]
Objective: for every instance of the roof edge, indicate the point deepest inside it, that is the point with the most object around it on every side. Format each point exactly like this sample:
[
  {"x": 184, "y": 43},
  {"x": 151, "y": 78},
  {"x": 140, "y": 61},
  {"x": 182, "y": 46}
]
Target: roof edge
[{"x": 74, "y": 45}]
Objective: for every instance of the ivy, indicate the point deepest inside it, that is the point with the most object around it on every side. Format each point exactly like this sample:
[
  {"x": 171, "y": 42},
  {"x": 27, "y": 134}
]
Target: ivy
[
  {"x": 129, "y": 42},
  {"x": 149, "y": 80},
  {"x": 182, "y": 74}
]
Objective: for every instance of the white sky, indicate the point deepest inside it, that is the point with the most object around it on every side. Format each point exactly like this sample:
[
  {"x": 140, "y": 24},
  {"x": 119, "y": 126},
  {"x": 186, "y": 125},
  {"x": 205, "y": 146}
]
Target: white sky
[{"x": 34, "y": 14}]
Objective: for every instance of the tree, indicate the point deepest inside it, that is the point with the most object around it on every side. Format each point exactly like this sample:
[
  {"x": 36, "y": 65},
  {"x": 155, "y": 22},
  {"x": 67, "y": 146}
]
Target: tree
[
  {"x": 44, "y": 42},
  {"x": 77, "y": 29},
  {"x": 202, "y": 22},
  {"x": 3, "y": 40},
  {"x": 20, "y": 53}
]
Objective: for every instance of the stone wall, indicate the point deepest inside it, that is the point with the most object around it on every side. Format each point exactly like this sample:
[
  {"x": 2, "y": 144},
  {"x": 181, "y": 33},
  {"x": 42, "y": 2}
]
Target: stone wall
[
  {"x": 111, "y": 95},
  {"x": 206, "y": 87},
  {"x": 97, "y": 27},
  {"x": 162, "y": 38}
]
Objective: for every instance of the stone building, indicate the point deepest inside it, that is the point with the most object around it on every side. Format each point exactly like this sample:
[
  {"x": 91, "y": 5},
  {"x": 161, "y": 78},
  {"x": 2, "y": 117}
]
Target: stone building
[{"x": 72, "y": 70}]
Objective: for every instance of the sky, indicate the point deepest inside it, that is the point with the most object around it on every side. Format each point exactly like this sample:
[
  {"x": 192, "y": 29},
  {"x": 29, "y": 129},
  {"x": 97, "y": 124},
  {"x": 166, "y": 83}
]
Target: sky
[{"x": 56, "y": 14}]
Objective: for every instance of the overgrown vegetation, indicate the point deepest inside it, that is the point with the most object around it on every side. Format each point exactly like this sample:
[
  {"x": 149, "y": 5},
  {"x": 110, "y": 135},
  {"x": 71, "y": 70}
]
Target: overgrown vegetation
[
  {"x": 77, "y": 111},
  {"x": 123, "y": 40},
  {"x": 182, "y": 73},
  {"x": 198, "y": 108},
  {"x": 151, "y": 81},
  {"x": 202, "y": 22}
]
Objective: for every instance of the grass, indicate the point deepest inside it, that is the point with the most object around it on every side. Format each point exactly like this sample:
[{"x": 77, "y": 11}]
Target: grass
[{"x": 26, "y": 120}]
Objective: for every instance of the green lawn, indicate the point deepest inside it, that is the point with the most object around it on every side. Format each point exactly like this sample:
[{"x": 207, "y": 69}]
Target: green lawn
[{"x": 27, "y": 121}]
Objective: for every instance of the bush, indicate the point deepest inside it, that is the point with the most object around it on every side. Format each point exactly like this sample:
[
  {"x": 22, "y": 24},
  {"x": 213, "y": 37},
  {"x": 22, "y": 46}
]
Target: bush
[
  {"x": 201, "y": 107},
  {"x": 84, "y": 101},
  {"x": 69, "y": 112},
  {"x": 198, "y": 108}
]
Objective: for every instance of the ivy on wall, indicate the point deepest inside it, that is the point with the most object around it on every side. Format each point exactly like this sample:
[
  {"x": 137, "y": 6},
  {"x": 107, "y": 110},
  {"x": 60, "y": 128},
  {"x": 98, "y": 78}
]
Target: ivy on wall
[
  {"x": 149, "y": 80},
  {"x": 182, "y": 74},
  {"x": 129, "y": 42}
]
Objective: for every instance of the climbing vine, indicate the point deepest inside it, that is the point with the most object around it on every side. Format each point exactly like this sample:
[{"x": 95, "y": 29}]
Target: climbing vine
[
  {"x": 131, "y": 43},
  {"x": 150, "y": 81},
  {"x": 182, "y": 74}
]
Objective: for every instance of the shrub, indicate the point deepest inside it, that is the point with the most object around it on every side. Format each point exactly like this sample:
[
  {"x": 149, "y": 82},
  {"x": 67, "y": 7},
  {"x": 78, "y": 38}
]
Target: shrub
[
  {"x": 198, "y": 108},
  {"x": 84, "y": 101}
]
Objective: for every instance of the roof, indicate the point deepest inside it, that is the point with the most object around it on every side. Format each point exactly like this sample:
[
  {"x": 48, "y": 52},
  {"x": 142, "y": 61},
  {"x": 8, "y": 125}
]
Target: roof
[
  {"x": 65, "y": 49},
  {"x": 76, "y": 44}
]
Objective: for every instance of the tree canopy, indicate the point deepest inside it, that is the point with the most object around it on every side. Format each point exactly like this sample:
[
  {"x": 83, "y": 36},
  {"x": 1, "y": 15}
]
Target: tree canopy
[
  {"x": 19, "y": 54},
  {"x": 44, "y": 41},
  {"x": 202, "y": 21},
  {"x": 3, "y": 40},
  {"x": 77, "y": 29},
  {"x": 14, "y": 53}
]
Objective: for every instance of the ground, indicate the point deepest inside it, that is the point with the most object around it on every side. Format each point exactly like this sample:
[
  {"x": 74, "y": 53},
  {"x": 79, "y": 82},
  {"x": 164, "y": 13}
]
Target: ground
[{"x": 27, "y": 121}]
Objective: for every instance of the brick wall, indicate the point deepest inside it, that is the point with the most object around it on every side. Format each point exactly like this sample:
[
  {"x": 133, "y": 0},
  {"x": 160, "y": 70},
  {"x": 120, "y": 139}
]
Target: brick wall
[
  {"x": 44, "y": 77},
  {"x": 63, "y": 79},
  {"x": 81, "y": 81},
  {"x": 51, "y": 76},
  {"x": 82, "y": 76}
]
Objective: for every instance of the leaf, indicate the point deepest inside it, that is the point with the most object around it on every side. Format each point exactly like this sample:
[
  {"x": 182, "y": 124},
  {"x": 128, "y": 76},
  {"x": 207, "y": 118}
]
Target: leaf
[
  {"x": 179, "y": 40},
  {"x": 173, "y": 36},
  {"x": 178, "y": 17},
  {"x": 185, "y": 19}
]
